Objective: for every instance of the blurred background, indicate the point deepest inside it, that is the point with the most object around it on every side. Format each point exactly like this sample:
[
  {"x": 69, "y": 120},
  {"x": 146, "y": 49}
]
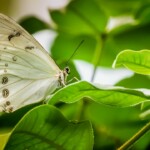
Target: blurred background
[{"x": 107, "y": 27}]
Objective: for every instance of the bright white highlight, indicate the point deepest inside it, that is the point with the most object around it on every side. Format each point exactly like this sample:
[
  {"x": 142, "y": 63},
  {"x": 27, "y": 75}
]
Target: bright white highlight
[{"x": 103, "y": 75}]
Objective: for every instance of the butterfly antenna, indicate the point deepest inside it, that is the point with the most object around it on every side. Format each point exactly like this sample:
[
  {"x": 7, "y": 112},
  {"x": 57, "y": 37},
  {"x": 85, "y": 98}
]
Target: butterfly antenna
[{"x": 74, "y": 52}]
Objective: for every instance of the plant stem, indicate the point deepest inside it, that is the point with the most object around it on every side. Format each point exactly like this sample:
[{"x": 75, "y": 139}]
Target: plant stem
[
  {"x": 135, "y": 137},
  {"x": 98, "y": 53},
  {"x": 80, "y": 112},
  {"x": 81, "y": 109}
]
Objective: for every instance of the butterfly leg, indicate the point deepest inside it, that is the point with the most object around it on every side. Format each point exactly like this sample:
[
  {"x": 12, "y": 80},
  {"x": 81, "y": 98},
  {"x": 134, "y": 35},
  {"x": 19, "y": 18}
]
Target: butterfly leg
[{"x": 73, "y": 79}]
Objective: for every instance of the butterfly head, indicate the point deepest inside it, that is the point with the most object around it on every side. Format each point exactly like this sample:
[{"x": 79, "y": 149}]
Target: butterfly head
[
  {"x": 67, "y": 70},
  {"x": 63, "y": 76}
]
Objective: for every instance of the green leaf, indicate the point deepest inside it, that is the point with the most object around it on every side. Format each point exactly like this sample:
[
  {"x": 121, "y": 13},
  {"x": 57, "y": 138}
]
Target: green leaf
[
  {"x": 3, "y": 139},
  {"x": 115, "y": 124},
  {"x": 81, "y": 17},
  {"x": 123, "y": 37},
  {"x": 129, "y": 36},
  {"x": 143, "y": 13},
  {"x": 138, "y": 62},
  {"x": 46, "y": 128},
  {"x": 145, "y": 114},
  {"x": 116, "y": 96},
  {"x": 77, "y": 23},
  {"x": 143, "y": 82},
  {"x": 117, "y": 7},
  {"x": 6, "y": 121},
  {"x": 33, "y": 24},
  {"x": 66, "y": 22}
]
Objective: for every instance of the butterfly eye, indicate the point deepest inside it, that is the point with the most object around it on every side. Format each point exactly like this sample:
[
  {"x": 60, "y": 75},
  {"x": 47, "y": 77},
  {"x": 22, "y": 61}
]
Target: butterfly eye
[{"x": 67, "y": 69}]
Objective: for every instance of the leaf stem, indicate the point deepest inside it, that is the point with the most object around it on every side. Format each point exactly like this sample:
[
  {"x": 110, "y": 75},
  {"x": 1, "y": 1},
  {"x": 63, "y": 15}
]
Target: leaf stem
[
  {"x": 81, "y": 109},
  {"x": 80, "y": 112},
  {"x": 98, "y": 53},
  {"x": 135, "y": 137}
]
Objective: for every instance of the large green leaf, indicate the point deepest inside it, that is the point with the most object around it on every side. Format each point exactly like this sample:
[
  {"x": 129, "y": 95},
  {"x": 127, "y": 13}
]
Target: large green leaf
[
  {"x": 116, "y": 96},
  {"x": 81, "y": 20},
  {"x": 46, "y": 128},
  {"x": 139, "y": 61},
  {"x": 81, "y": 17}
]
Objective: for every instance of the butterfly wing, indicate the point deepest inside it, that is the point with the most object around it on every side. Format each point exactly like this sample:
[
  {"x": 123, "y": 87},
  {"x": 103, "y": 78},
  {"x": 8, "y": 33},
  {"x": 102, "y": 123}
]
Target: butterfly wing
[{"x": 27, "y": 72}]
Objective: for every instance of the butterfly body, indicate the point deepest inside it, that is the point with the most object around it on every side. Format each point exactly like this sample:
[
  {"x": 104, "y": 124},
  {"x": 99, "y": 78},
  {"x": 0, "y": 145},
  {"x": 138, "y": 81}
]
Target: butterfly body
[{"x": 27, "y": 73}]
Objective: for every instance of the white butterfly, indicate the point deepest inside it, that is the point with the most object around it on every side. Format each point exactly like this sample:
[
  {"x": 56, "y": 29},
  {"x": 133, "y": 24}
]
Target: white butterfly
[{"x": 27, "y": 73}]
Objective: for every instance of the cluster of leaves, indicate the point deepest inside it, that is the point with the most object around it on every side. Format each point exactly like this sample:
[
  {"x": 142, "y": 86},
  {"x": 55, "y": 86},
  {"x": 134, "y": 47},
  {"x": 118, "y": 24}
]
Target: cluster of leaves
[{"x": 44, "y": 127}]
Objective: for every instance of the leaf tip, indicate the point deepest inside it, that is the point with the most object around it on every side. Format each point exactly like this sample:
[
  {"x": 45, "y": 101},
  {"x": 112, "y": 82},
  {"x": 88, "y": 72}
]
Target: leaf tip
[{"x": 114, "y": 64}]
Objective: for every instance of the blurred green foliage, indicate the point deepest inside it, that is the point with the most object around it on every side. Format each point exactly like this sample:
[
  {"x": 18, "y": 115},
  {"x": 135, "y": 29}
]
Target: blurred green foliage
[{"x": 88, "y": 20}]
